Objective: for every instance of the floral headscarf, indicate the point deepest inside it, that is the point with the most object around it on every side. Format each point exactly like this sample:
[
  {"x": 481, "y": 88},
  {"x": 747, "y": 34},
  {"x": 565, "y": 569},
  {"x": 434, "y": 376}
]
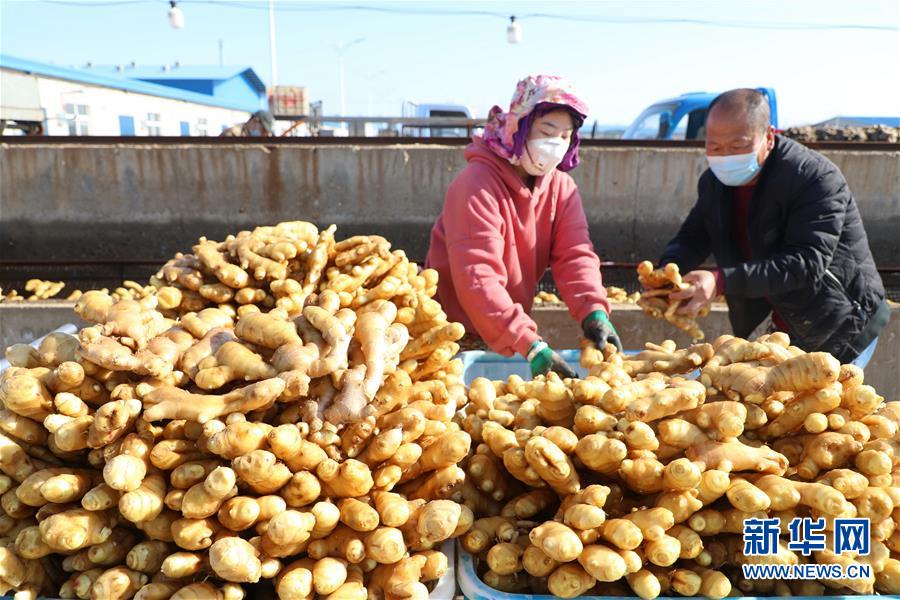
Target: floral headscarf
[{"x": 505, "y": 132}]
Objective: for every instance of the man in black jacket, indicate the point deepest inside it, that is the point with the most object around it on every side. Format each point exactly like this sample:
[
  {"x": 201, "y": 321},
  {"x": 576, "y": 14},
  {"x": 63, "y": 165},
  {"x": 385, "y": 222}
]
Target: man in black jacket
[{"x": 786, "y": 234}]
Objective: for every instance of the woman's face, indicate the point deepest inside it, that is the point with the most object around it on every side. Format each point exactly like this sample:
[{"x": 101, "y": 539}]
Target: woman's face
[{"x": 556, "y": 123}]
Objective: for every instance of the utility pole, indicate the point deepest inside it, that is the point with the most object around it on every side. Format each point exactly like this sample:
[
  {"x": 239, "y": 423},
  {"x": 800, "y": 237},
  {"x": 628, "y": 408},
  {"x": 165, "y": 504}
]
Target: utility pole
[{"x": 273, "y": 60}]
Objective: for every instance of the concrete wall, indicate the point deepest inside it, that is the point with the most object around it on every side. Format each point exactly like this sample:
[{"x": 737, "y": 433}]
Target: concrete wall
[
  {"x": 142, "y": 201},
  {"x": 27, "y": 321}
]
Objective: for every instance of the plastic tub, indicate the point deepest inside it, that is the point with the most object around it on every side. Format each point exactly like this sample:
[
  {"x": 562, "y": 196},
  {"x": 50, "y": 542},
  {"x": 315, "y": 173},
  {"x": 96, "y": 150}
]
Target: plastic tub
[
  {"x": 494, "y": 366},
  {"x": 479, "y": 363},
  {"x": 473, "y": 588}
]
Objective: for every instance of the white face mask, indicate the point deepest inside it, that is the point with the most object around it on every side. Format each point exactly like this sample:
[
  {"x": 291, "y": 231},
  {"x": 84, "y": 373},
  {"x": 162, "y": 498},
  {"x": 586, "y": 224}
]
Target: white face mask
[
  {"x": 736, "y": 169},
  {"x": 542, "y": 155}
]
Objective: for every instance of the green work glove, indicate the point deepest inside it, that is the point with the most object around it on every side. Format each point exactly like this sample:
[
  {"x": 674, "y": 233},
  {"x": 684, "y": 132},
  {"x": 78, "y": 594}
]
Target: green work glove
[
  {"x": 543, "y": 359},
  {"x": 600, "y": 331}
]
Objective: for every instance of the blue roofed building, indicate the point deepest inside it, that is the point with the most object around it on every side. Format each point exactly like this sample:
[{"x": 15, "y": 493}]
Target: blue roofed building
[{"x": 128, "y": 99}]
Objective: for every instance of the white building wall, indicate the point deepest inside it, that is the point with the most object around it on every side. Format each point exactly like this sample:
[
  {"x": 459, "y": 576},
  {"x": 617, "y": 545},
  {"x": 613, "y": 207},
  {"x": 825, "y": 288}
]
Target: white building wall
[{"x": 105, "y": 105}]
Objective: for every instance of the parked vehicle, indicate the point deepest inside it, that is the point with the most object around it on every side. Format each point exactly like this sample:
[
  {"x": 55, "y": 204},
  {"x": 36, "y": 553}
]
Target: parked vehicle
[
  {"x": 682, "y": 118},
  {"x": 437, "y": 112}
]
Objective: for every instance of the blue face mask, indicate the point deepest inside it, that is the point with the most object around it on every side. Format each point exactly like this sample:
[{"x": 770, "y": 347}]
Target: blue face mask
[{"x": 736, "y": 169}]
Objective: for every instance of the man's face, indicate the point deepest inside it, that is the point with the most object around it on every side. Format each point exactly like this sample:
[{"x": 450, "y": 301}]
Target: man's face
[
  {"x": 730, "y": 134},
  {"x": 254, "y": 127}
]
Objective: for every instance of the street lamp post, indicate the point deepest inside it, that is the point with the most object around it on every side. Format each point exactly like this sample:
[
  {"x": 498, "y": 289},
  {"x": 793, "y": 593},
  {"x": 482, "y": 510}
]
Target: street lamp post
[
  {"x": 341, "y": 48},
  {"x": 176, "y": 17},
  {"x": 513, "y": 31}
]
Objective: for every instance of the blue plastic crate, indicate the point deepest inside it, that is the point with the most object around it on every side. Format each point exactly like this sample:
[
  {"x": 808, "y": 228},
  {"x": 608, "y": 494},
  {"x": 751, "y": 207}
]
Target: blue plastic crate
[
  {"x": 473, "y": 588},
  {"x": 479, "y": 363}
]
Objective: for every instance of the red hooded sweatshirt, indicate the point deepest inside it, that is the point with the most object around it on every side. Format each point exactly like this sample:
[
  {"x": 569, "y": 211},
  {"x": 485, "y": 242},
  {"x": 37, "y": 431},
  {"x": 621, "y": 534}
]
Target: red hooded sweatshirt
[{"x": 495, "y": 238}]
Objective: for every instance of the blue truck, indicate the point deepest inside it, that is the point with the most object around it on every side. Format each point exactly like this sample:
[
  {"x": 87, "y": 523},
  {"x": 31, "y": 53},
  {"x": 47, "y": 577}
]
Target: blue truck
[{"x": 682, "y": 118}]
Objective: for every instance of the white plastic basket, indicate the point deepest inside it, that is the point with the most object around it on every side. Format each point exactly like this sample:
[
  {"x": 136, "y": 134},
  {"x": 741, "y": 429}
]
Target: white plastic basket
[
  {"x": 446, "y": 585},
  {"x": 69, "y": 328}
]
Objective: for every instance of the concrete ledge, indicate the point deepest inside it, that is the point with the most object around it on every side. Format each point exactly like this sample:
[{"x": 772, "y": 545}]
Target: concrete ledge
[
  {"x": 143, "y": 201},
  {"x": 27, "y": 321},
  {"x": 24, "y": 322}
]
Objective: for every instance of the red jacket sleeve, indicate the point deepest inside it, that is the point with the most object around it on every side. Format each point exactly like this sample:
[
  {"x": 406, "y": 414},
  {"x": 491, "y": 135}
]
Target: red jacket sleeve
[
  {"x": 575, "y": 265},
  {"x": 475, "y": 249}
]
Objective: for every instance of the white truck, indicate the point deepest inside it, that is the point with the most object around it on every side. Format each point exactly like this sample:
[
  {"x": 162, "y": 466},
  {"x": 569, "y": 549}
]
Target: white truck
[{"x": 451, "y": 112}]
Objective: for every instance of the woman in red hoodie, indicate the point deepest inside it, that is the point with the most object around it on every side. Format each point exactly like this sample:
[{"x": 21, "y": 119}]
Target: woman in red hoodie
[{"x": 512, "y": 213}]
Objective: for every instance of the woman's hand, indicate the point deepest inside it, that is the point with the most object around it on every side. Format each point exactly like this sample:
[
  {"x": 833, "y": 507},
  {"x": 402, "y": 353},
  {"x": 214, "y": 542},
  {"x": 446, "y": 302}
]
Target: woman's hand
[
  {"x": 699, "y": 294},
  {"x": 542, "y": 359},
  {"x": 600, "y": 331}
]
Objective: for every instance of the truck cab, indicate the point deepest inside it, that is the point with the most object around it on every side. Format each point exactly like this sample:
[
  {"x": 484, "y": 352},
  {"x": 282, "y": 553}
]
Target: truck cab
[
  {"x": 682, "y": 118},
  {"x": 436, "y": 112}
]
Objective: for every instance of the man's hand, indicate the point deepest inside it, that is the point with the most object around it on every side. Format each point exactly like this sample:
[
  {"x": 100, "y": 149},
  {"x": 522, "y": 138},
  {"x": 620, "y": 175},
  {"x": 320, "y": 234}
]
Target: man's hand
[
  {"x": 700, "y": 294},
  {"x": 544, "y": 359},
  {"x": 600, "y": 331}
]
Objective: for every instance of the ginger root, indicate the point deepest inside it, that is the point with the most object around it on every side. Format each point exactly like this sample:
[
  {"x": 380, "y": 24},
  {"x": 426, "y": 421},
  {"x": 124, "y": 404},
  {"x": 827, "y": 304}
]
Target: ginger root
[{"x": 173, "y": 403}]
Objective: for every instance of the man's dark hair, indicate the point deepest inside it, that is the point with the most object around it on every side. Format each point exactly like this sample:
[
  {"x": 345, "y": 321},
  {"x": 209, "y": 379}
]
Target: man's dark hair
[
  {"x": 747, "y": 101},
  {"x": 266, "y": 119}
]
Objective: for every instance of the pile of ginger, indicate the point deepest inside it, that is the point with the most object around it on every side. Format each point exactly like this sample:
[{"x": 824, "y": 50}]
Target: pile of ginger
[
  {"x": 637, "y": 479},
  {"x": 655, "y": 300},
  {"x": 300, "y": 445}
]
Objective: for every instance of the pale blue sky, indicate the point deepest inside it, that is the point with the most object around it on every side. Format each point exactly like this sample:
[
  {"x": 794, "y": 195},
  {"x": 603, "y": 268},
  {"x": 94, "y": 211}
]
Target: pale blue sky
[{"x": 620, "y": 67}]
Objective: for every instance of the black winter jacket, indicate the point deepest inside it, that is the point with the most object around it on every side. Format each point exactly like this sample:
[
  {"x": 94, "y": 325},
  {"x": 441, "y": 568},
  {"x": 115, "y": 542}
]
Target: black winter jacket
[{"x": 811, "y": 257}]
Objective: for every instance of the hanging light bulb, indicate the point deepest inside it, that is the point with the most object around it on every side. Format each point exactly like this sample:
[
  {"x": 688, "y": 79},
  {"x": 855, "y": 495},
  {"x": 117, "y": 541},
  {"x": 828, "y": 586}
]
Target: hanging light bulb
[
  {"x": 513, "y": 31},
  {"x": 176, "y": 17}
]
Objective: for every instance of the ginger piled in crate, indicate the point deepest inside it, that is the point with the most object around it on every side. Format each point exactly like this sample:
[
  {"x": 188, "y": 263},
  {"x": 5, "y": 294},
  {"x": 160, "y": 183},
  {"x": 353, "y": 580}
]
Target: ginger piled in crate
[
  {"x": 543, "y": 298},
  {"x": 621, "y": 296},
  {"x": 637, "y": 480},
  {"x": 38, "y": 289},
  {"x": 655, "y": 300},
  {"x": 309, "y": 449},
  {"x": 615, "y": 294}
]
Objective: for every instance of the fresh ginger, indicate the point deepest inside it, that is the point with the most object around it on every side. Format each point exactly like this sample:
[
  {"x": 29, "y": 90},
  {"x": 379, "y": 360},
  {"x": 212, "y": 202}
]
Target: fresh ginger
[
  {"x": 557, "y": 541},
  {"x": 76, "y": 529},
  {"x": 146, "y": 502},
  {"x": 570, "y": 581},
  {"x": 234, "y": 559},
  {"x": 204, "y": 499},
  {"x": 333, "y": 440},
  {"x": 805, "y": 372},
  {"x": 664, "y": 358},
  {"x": 173, "y": 403},
  {"x": 682, "y": 395},
  {"x": 736, "y": 456},
  {"x": 233, "y": 362},
  {"x": 656, "y": 300},
  {"x": 827, "y": 450},
  {"x": 552, "y": 465}
]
